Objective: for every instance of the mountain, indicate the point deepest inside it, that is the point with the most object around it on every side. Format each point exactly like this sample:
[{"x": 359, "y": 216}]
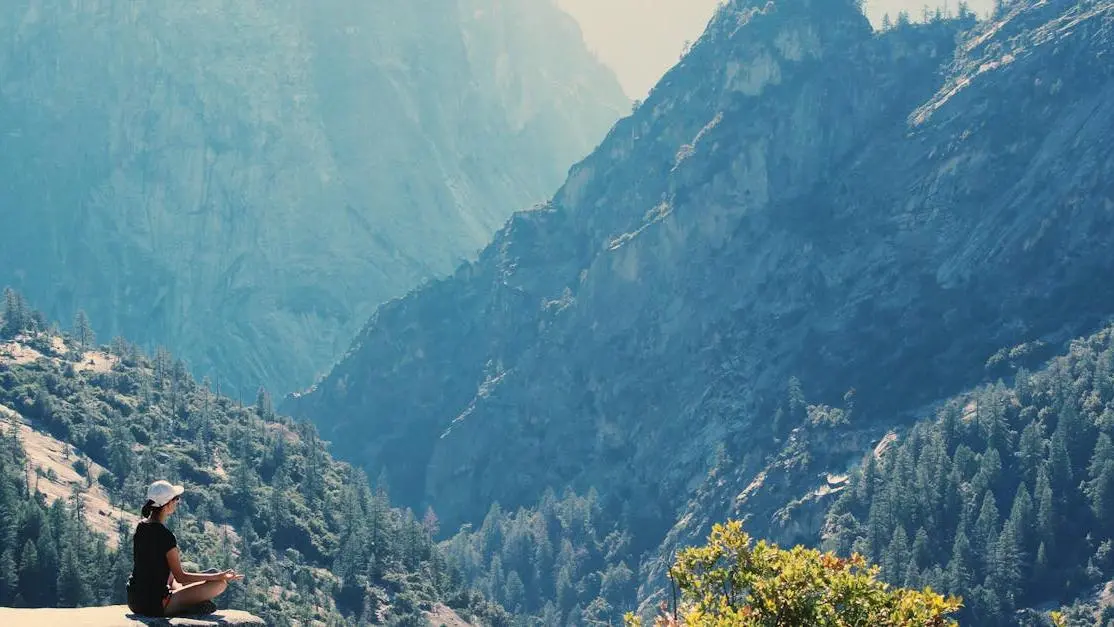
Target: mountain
[
  {"x": 245, "y": 182},
  {"x": 83, "y": 431},
  {"x": 799, "y": 197},
  {"x": 803, "y": 207}
]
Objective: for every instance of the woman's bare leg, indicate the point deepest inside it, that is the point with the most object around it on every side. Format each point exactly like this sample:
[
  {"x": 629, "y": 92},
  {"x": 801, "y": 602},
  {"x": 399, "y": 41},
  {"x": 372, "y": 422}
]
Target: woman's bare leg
[{"x": 193, "y": 594}]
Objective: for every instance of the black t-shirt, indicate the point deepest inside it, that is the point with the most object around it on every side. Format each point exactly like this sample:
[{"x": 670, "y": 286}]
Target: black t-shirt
[{"x": 150, "y": 572}]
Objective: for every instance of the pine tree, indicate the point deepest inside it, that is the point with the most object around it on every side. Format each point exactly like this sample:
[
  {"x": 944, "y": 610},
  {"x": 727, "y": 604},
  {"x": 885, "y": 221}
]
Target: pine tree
[
  {"x": 1103, "y": 453},
  {"x": 1022, "y": 520},
  {"x": 896, "y": 557},
  {"x": 72, "y": 589},
  {"x": 864, "y": 486},
  {"x": 1041, "y": 567},
  {"x": 15, "y": 314},
  {"x": 1030, "y": 451},
  {"x": 514, "y": 593},
  {"x": 960, "y": 573},
  {"x": 37, "y": 322},
  {"x": 566, "y": 592},
  {"x": 1046, "y": 515},
  {"x": 9, "y": 577},
  {"x": 430, "y": 523},
  {"x": 1078, "y": 438},
  {"x": 29, "y": 573},
  {"x": 990, "y": 469},
  {"x": 121, "y": 563},
  {"x": 47, "y": 551},
  {"x": 83, "y": 331},
  {"x": 264, "y": 408},
  {"x": 1101, "y": 493},
  {"x": 1005, "y": 572},
  {"x": 879, "y": 523},
  {"x": 985, "y": 604},
  {"x": 162, "y": 365},
  {"x": 920, "y": 553},
  {"x": 798, "y": 407},
  {"x": 986, "y": 528}
]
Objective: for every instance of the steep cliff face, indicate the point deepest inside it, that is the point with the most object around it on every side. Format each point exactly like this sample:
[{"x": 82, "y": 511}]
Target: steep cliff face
[
  {"x": 1006, "y": 178},
  {"x": 245, "y": 181},
  {"x": 799, "y": 197}
]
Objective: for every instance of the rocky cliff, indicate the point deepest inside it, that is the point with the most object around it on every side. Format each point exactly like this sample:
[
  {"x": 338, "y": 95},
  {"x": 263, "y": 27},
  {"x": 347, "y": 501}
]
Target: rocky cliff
[
  {"x": 119, "y": 616},
  {"x": 244, "y": 182},
  {"x": 800, "y": 197}
]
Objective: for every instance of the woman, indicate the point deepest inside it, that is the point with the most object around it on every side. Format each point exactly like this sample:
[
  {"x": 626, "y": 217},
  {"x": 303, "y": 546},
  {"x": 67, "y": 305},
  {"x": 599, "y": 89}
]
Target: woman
[{"x": 158, "y": 586}]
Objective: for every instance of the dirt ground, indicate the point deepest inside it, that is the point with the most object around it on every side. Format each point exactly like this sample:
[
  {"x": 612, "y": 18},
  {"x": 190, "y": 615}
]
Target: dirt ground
[
  {"x": 17, "y": 353},
  {"x": 96, "y": 361},
  {"x": 442, "y": 615},
  {"x": 51, "y": 471}
]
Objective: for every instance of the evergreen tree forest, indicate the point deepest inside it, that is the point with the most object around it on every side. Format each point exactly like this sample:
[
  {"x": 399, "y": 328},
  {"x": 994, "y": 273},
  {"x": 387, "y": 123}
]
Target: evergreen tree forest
[
  {"x": 315, "y": 540},
  {"x": 1006, "y": 498},
  {"x": 551, "y": 565}
]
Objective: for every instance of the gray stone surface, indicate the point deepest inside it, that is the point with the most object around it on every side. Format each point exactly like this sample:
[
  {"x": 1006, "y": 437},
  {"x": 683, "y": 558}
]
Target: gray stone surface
[{"x": 116, "y": 616}]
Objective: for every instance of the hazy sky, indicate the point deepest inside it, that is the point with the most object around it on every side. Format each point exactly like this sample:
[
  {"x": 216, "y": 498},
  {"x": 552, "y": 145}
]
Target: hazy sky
[{"x": 641, "y": 39}]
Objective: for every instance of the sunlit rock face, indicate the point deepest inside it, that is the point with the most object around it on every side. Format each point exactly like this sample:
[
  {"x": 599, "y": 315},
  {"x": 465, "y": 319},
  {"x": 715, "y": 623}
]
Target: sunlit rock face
[{"x": 800, "y": 197}]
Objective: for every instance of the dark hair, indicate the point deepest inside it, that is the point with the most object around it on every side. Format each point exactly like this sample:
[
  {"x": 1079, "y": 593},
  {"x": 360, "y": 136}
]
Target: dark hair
[{"x": 150, "y": 508}]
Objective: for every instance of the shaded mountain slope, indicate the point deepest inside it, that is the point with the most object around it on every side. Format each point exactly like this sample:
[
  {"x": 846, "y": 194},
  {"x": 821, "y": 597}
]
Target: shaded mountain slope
[{"x": 799, "y": 197}]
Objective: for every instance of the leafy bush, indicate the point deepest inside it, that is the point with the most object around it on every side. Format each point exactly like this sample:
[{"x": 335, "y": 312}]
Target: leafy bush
[{"x": 734, "y": 582}]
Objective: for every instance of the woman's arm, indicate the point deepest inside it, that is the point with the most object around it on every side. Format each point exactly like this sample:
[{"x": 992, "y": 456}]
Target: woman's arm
[{"x": 174, "y": 560}]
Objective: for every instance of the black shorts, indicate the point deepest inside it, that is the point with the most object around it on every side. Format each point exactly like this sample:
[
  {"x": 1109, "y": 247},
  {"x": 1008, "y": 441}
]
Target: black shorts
[{"x": 147, "y": 603}]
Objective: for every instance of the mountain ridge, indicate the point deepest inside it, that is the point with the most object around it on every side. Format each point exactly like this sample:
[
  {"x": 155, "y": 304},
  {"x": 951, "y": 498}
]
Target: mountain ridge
[
  {"x": 245, "y": 183},
  {"x": 599, "y": 351}
]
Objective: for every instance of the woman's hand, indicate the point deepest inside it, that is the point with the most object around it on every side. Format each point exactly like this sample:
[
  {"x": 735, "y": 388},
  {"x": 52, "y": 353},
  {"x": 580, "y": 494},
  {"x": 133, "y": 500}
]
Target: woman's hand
[{"x": 229, "y": 575}]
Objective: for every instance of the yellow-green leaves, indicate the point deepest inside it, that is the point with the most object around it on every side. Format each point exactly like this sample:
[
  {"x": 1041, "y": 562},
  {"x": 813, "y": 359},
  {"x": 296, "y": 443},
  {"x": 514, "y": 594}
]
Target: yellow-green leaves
[{"x": 733, "y": 581}]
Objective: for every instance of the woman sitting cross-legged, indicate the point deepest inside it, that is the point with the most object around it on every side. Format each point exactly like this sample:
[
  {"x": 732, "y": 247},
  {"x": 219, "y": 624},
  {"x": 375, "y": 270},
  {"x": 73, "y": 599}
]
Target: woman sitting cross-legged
[{"x": 158, "y": 586}]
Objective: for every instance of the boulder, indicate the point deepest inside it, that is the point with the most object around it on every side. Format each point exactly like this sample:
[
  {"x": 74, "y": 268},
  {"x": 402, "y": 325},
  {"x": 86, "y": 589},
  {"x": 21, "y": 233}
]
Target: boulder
[{"x": 117, "y": 616}]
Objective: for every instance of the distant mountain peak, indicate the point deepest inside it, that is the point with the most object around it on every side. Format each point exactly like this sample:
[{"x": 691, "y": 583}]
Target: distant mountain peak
[
  {"x": 244, "y": 184},
  {"x": 768, "y": 212}
]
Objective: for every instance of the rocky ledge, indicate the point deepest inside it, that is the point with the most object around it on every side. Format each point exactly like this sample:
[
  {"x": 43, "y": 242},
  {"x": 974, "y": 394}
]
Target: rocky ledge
[{"x": 117, "y": 616}]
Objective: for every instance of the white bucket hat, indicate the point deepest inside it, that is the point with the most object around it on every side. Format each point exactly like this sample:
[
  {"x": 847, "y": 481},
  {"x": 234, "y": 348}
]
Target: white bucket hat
[{"x": 160, "y": 492}]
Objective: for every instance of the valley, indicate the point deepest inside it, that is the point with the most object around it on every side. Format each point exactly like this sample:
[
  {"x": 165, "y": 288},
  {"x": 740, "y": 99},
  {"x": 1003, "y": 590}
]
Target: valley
[
  {"x": 244, "y": 183},
  {"x": 806, "y": 237},
  {"x": 849, "y": 287}
]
